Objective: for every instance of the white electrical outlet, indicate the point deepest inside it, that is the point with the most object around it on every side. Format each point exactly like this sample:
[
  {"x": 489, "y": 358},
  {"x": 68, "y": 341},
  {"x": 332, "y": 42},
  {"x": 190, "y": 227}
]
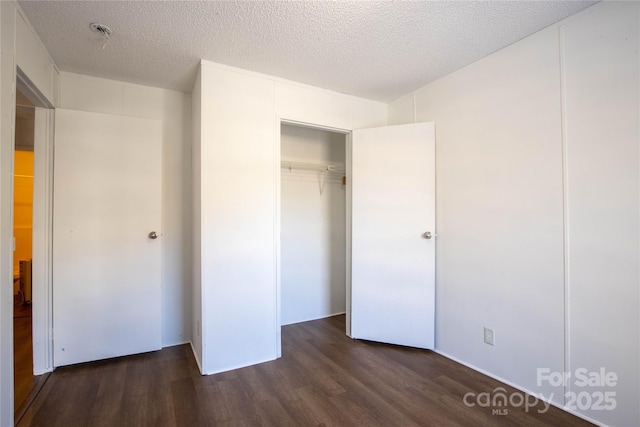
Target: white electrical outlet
[{"x": 489, "y": 336}]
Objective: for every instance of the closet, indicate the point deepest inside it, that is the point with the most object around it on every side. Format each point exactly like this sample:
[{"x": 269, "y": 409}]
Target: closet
[{"x": 313, "y": 245}]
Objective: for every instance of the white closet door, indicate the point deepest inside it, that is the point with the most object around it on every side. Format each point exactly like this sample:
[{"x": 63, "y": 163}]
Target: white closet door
[
  {"x": 393, "y": 263},
  {"x": 106, "y": 267}
]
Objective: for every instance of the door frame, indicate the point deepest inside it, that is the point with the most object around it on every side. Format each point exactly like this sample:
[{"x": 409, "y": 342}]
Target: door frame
[
  {"x": 42, "y": 285},
  {"x": 278, "y": 224}
]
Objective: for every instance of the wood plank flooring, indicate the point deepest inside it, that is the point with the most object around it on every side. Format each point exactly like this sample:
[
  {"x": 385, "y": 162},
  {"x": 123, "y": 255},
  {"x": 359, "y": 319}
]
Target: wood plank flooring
[
  {"x": 26, "y": 385},
  {"x": 24, "y": 380},
  {"x": 323, "y": 379}
]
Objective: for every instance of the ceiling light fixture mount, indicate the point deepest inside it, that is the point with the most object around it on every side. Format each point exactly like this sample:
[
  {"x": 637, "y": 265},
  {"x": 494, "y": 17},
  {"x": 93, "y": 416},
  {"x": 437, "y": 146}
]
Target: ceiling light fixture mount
[{"x": 103, "y": 30}]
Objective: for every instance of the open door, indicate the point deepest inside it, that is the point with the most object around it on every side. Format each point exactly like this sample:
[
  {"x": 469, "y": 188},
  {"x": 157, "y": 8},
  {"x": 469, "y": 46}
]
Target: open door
[
  {"x": 106, "y": 219},
  {"x": 393, "y": 235}
]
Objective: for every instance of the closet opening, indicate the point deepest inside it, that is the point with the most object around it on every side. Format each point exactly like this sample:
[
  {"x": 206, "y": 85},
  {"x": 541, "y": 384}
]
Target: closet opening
[{"x": 313, "y": 225}]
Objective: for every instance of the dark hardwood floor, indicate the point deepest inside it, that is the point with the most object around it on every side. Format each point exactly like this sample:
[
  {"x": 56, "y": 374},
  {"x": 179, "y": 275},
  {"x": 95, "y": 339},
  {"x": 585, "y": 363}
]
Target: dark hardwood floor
[
  {"x": 26, "y": 385},
  {"x": 22, "y": 353},
  {"x": 323, "y": 379}
]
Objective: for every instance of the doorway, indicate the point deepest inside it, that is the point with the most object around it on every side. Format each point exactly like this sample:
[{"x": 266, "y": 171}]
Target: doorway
[
  {"x": 24, "y": 379},
  {"x": 32, "y": 219},
  {"x": 313, "y": 263}
]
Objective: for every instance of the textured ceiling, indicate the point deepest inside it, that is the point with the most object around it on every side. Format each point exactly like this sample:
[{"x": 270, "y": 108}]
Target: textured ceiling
[{"x": 371, "y": 49}]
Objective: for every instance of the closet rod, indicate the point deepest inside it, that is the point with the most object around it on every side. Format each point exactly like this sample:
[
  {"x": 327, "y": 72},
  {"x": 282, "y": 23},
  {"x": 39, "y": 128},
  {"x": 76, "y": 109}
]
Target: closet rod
[{"x": 307, "y": 166}]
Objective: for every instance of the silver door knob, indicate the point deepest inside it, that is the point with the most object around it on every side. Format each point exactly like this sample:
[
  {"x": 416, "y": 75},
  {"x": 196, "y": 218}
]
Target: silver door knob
[
  {"x": 153, "y": 235},
  {"x": 426, "y": 235}
]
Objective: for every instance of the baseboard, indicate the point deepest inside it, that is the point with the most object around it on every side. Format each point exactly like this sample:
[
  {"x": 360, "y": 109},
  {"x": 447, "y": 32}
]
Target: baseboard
[
  {"x": 244, "y": 365},
  {"x": 199, "y": 363},
  {"x": 175, "y": 344},
  {"x": 315, "y": 318},
  {"x": 195, "y": 356},
  {"x": 520, "y": 388},
  {"x": 44, "y": 371}
]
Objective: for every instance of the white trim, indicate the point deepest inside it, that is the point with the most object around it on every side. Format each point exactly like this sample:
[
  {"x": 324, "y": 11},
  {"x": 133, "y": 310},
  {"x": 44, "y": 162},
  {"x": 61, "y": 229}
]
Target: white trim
[
  {"x": 312, "y": 126},
  {"x": 277, "y": 231},
  {"x": 243, "y": 365},
  {"x": 30, "y": 90},
  {"x": 42, "y": 323},
  {"x": 348, "y": 226},
  {"x": 7, "y": 125},
  {"x": 520, "y": 388},
  {"x": 195, "y": 356},
  {"x": 326, "y": 316},
  {"x": 175, "y": 344},
  {"x": 565, "y": 213}
]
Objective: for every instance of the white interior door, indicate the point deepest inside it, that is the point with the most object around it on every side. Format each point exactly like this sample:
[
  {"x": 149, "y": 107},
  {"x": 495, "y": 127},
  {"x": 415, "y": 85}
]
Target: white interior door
[
  {"x": 393, "y": 264},
  {"x": 106, "y": 268}
]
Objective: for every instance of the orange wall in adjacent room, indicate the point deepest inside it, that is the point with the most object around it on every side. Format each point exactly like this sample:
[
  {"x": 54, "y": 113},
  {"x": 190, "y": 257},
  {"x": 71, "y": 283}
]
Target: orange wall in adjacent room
[{"x": 22, "y": 207}]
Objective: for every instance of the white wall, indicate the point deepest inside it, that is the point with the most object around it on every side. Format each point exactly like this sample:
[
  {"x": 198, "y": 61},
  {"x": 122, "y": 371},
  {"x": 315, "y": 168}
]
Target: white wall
[
  {"x": 501, "y": 191},
  {"x": 313, "y": 241},
  {"x": 20, "y": 46},
  {"x": 196, "y": 304},
  {"x": 78, "y": 92},
  {"x": 499, "y": 256},
  {"x": 33, "y": 59},
  {"x": 601, "y": 74},
  {"x": 239, "y": 180},
  {"x": 7, "y": 105}
]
